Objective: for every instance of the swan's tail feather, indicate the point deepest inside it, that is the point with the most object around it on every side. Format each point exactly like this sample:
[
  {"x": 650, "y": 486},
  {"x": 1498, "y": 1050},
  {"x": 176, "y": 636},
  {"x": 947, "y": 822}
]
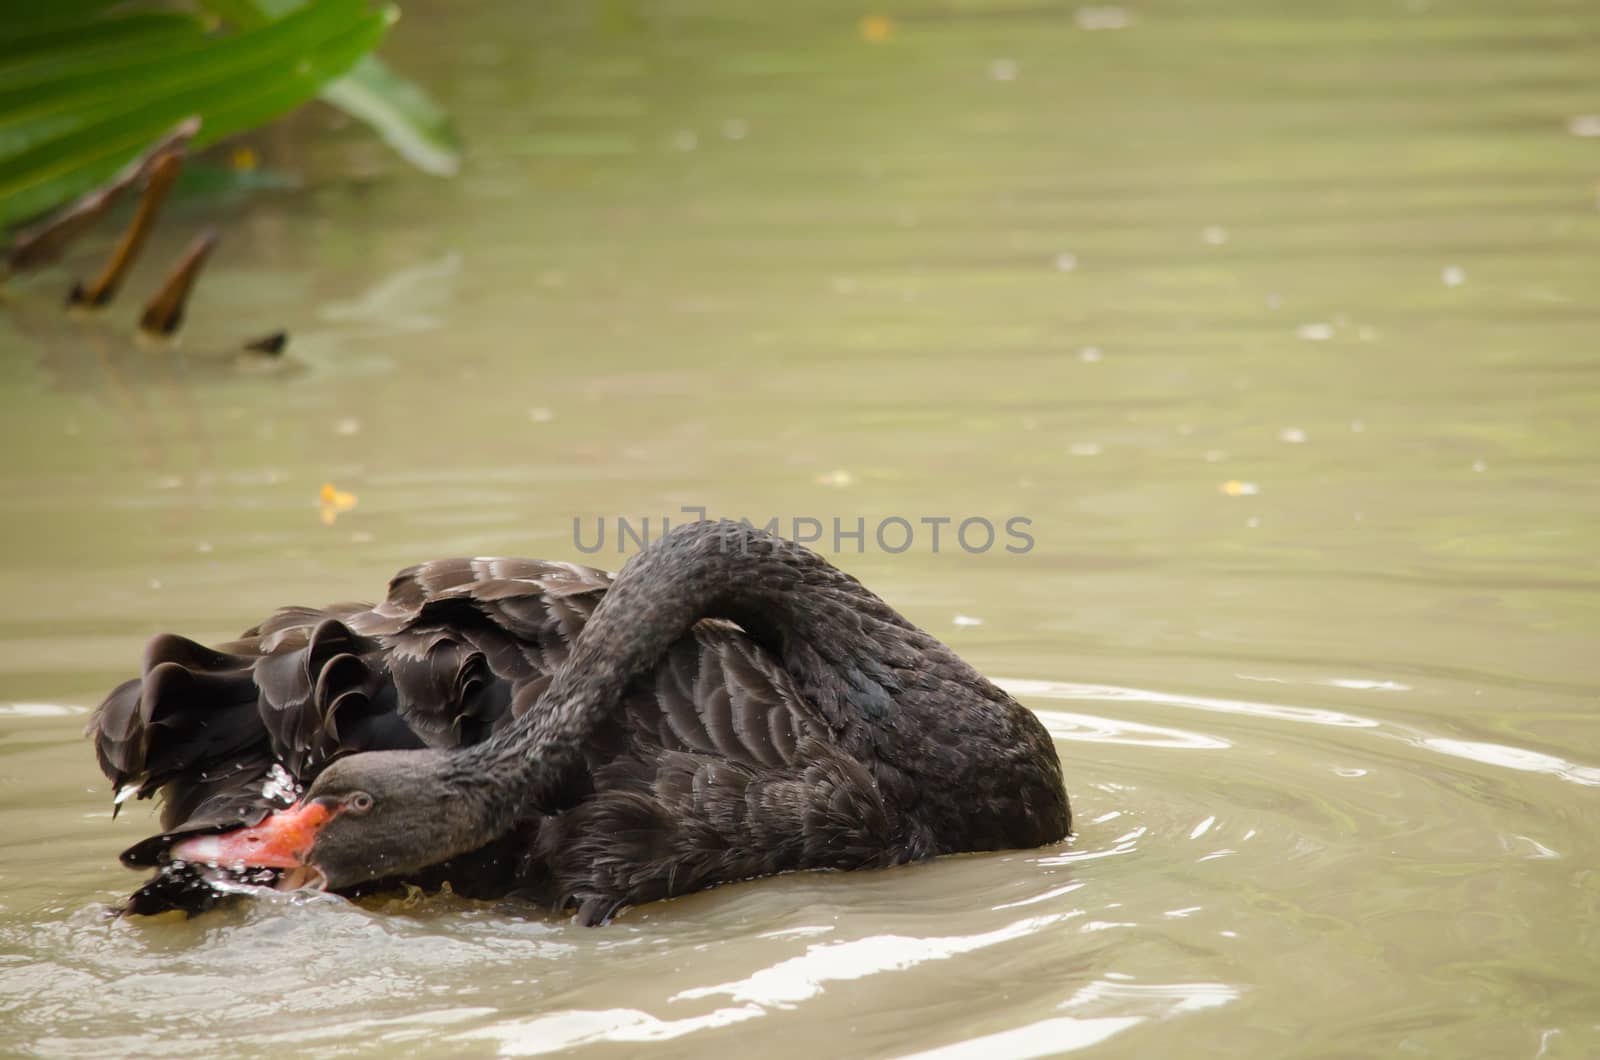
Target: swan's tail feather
[
  {"x": 187, "y": 716},
  {"x": 226, "y": 735}
]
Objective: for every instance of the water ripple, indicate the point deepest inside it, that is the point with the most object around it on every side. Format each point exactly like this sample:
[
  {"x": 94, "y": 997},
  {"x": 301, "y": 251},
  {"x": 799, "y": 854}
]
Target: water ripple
[
  {"x": 1050, "y": 1037},
  {"x": 38, "y": 710},
  {"x": 559, "y": 1031},
  {"x": 1518, "y": 758},
  {"x": 1090, "y": 728},
  {"x": 1112, "y": 694},
  {"x": 801, "y": 978}
]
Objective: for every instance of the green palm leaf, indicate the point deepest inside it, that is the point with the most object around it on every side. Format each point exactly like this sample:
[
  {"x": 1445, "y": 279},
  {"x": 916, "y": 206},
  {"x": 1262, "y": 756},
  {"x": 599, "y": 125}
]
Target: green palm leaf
[{"x": 84, "y": 89}]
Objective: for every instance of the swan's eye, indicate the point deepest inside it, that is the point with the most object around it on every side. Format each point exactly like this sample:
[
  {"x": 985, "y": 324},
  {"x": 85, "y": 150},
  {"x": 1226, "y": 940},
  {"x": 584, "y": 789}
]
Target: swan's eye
[{"x": 360, "y": 802}]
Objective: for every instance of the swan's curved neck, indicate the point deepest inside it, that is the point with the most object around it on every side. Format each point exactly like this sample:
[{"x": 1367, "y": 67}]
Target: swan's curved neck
[
  {"x": 961, "y": 761},
  {"x": 847, "y": 650}
]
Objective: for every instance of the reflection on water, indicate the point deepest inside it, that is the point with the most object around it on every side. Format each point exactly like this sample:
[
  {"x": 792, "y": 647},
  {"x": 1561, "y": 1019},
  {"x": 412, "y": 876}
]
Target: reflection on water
[
  {"x": 400, "y": 304},
  {"x": 1276, "y": 322},
  {"x": 1272, "y": 711},
  {"x": 1046, "y": 1038},
  {"x": 1516, "y": 758},
  {"x": 801, "y": 978}
]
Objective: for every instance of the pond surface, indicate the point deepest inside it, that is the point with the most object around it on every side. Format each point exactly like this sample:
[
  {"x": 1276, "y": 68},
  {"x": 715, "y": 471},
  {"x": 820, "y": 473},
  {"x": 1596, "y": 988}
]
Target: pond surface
[{"x": 1276, "y": 321}]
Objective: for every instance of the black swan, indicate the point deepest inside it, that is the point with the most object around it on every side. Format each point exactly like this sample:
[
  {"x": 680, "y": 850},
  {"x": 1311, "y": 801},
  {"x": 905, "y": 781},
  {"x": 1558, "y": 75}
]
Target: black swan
[{"x": 729, "y": 706}]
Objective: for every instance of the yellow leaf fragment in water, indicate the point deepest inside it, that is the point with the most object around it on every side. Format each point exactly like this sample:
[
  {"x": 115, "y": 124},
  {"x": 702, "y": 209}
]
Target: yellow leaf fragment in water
[
  {"x": 875, "y": 29},
  {"x": 243, "y": 158},
  {"x": 333, "y": 501},
  {"x": 1234, "y": 488}
]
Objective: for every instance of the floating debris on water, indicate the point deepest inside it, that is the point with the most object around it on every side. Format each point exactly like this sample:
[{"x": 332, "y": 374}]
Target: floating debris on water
[
  {"x": 1003, "y": 69},
  {"x": 1214, "y": 235},
  {"x": 837, "y": 477},
  {"x": 1103, "y": 17},
  {"x": 1235, "y": 488},
  {"x": 541, "y": 414},
  {"x": 1315, "y": 332},
  {"x": 1453, "y": 275},
  {"x": 1084, "y": 449},
  {"x": 332, "y": 501},
  {"x": 1066, "y": 261},
  {"x": 163, "y": 173},
  {"x": 967, "y": 620},
  {"x": 1584, "y": 125},
  {"x": 347, "y": 427},
  {"x": 1479, "y": 465},
  {"x": 875, "y": 29},
  {"x": 164, "y": 312},
  {"x": 1357, "y": 426},
  {"x": 1091, "y": 355},
  {"x": 735, "y": 129},
  {"x": 271, "y": 344},
  {"x": 1292, "y": 435}
]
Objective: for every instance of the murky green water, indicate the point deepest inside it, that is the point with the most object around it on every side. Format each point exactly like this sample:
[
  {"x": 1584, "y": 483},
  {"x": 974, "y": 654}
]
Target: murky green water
[{"x": 1278, "y": 321}]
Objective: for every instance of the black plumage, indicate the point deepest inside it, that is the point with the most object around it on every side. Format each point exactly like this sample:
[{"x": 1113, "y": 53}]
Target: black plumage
[{"x": 730, "y": 706}]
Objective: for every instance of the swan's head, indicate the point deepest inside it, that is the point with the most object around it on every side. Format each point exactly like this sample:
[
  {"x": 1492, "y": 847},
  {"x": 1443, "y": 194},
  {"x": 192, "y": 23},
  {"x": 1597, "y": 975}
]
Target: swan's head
[{"x": 368, "y": 817}]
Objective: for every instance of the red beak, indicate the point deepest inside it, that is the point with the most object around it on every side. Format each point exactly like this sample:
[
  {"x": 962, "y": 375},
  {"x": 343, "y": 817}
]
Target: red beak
[{"x": 282, "y": 841}]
